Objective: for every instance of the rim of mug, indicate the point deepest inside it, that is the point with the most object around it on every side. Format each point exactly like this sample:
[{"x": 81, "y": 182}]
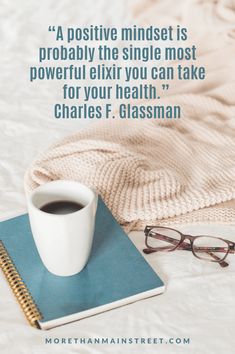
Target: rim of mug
[{"x": 37, "y": 189}]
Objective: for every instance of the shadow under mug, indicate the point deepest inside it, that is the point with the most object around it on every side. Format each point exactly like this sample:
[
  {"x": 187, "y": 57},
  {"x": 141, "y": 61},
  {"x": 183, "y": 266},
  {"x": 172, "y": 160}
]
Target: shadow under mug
[{"x": 63, "y": 241}]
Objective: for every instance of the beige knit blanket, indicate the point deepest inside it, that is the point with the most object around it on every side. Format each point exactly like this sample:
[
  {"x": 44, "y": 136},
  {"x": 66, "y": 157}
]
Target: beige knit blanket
[{"x": 155, "y": 171}]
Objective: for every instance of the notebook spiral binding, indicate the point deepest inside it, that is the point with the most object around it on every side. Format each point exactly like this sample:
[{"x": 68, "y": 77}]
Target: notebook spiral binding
[{"x": 19, "y": 288}]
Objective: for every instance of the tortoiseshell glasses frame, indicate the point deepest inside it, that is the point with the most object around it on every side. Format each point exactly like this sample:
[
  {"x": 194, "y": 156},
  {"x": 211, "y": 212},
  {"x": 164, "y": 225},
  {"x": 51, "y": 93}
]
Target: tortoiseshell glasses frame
[{"x": 172, "y": 239}]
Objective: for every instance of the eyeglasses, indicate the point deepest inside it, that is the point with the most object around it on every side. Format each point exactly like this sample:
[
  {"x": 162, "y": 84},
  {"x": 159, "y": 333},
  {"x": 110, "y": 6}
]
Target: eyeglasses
[{"x": 209, "y": 248}]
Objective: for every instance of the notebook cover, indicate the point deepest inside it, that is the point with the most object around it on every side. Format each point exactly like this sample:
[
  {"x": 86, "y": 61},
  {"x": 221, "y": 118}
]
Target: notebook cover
[{"x": 116, "y": 269}]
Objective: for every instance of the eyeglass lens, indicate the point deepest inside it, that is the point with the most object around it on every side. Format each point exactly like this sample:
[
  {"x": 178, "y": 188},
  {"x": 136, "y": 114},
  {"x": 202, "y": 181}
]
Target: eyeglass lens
[
  {"x": 163, "y": 239},
  {"x": 210, "y": 248}
]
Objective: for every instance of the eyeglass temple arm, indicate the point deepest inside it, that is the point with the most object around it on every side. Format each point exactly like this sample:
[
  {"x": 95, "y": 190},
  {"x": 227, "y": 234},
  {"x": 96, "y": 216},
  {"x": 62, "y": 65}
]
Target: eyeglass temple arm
[
  {"x": 215, "y": 249},
  {"x": 223, "y": 264},
  {"x": 232, "y": 248}
]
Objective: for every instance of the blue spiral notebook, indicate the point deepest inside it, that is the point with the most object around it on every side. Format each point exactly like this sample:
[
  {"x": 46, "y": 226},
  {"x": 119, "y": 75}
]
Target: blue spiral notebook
[{"x": 116, "y": 274}]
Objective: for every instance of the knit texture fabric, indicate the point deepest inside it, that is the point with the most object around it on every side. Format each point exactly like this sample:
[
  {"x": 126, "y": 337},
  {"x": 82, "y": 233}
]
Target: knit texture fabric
[
  {"x": 164, "y": 171},
  {"x": 148, "y": 171}
]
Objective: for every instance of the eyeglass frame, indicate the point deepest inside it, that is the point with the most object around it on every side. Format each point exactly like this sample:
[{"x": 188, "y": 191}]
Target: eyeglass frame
[{"x": 189, "y": 246}]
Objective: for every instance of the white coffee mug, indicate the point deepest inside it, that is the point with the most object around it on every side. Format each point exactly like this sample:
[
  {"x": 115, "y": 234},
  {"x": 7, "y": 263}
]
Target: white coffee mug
[{"x": 63, "y": 241}]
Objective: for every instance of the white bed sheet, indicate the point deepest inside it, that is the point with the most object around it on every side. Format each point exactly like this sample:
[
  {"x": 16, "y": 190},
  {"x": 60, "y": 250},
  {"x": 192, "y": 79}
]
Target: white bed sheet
[{"x": 199, "y": 298}]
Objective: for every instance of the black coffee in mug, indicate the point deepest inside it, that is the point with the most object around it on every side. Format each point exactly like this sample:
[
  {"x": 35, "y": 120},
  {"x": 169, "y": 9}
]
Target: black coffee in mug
[{"x": 61, "y": 207}]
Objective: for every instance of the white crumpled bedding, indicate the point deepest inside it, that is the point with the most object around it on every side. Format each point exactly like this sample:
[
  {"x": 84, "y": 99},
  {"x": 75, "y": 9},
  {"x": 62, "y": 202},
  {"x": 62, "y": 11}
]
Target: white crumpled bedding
[{"x": 199, "y": 299}]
